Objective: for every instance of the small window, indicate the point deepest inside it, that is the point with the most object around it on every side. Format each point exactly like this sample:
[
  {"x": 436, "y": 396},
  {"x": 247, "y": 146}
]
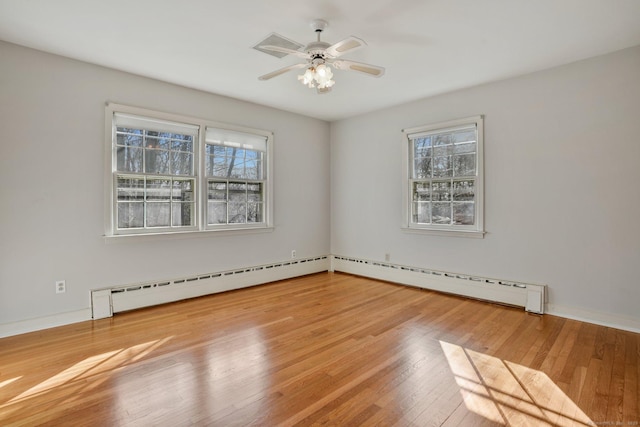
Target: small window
[
  {"x": 444, "y": 181},
  {"x": 236, "y": 180},
  {"x": 154, "y": 176},
  {"x": 174, "y": 174}
]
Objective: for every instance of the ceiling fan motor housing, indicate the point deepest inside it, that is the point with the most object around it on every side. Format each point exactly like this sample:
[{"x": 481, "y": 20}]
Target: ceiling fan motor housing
[{"x": 317, "y": 48}]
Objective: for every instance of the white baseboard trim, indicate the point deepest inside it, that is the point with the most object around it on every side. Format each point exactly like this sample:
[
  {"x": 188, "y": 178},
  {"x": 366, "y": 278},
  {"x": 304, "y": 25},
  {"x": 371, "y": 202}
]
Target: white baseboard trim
[
  {"x": 625, "y": 323},
  {"x": 46, "y": 322},
  {"x": 527, "y": 295},
  {"x": 122, "y": 298}
]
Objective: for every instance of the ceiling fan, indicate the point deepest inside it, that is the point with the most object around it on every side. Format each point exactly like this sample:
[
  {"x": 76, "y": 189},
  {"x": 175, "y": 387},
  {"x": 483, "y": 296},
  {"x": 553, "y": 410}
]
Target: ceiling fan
[{"x": 320, "y": 57}]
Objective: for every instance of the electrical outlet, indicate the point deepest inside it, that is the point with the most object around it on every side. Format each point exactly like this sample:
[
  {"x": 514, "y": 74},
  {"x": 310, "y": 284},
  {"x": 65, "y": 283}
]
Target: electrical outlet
[
  {"x": 293, "y": 254},
  {"x": 61, "y": 287},
  {"x": 387, "y": 257}
]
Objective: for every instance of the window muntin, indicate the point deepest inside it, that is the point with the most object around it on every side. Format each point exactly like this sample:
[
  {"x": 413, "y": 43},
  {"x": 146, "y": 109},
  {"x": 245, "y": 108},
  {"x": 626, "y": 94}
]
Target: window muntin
[
  {"x": 444, "y": 188},
  {"x": 171, "y": 174}
]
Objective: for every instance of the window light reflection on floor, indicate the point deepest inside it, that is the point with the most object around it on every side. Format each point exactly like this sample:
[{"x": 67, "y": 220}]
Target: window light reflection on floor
[
  {"x": 92, "y": 368},
  {"x": 510, "y": 394}
]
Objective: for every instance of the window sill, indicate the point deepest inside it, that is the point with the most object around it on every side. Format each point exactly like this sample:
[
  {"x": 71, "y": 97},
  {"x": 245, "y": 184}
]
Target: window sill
[
  {"x": 449, "y": 233},
  {"x": 176, "y": 235}
]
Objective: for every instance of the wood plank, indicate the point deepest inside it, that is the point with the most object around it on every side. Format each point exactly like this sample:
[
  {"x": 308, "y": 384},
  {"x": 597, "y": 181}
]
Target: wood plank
[{"x": 324, "y": 349}]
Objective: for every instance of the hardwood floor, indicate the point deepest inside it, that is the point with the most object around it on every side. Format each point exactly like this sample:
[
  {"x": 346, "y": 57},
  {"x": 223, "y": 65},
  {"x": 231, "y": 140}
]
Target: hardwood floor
[{"x": 325, "y": 349}]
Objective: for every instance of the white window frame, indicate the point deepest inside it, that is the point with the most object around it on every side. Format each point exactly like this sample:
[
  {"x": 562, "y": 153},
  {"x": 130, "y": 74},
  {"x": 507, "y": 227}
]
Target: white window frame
[
  {"x": 200, "y": 190},
  {"x": 477, "y": 229},
  {"x": 225, "y": 137}
]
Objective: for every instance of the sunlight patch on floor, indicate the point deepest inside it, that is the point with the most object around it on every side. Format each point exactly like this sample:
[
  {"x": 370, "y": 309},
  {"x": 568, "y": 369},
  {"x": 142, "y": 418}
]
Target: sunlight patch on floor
[
  {"x": 510, "y": 394},
  {"x": 90, "y": 367},
  {"x": 9, "y": 381}
]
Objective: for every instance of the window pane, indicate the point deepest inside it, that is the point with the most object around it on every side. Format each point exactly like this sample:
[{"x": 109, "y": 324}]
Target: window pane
[
  {"x": 463, "y": 213},
  {"x": 158, "y": 214},
  {"x": 221, "y": 167},
  {"x": 158, "y": 189},
  {"x": 441, "y": 191},
  {"x": 237, "y": 213},
  {"x": 156, "y": 161},
  {"x": 130, "y": 215},
  {"x": 465, "y": 147},
  {"x": 183, "y": 214},
  {"x": 421, "y": 191},
  {"x": 442, "y": 166},
  {"x": 182, "y": 190},
  {"x": 237, "y": 170},
  {"x": 182, "y": 143},
  {"x": 159, "y": 141},
  {"x": 181, "y": 163},
  {"x": 464, "y": 190},
  {"x": 422, "y": 168},
  {"x": 217, "y": 213},
  {"x": 217, "y": 191},
  {"x": 251, "y": 169},
  {"x": 441, "y": 140},
  {"x": 259, "y": 169},
  {"x": 237, "y": 192},
  {"x": 464, "y": 136},
  {"x": 464, "y": 165},
  {"x": 208, "y": 165},
  {"x": 422, "y": 212},
  {"x": 441, "y": 213},
  {"x": 254, "y": 212},
  {"x": 442, "y": 151},
  {"x": 130, "y": 140},
  {"x": 130, "y": 189},
  {"x": 254, "y": 192},
  {"x": 129, "y": 159},
  {"x": 422, "y": 147},
  {"x": 219, "y": 150}
]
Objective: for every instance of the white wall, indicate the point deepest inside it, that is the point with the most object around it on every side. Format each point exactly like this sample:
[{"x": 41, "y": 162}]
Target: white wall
[
  {"x": 562, "y": 195},
  {"x": 562, "y": 159},
  {"x": 51, "y": 186}
]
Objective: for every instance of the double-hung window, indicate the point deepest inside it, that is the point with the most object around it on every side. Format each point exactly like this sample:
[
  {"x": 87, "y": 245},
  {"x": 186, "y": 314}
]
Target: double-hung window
[
  {"x": 155, "y": 175},
  {"x": 170, "y": 174},
  {"x": 444, "y": 177},
  {"x": 236, "y": 180}
]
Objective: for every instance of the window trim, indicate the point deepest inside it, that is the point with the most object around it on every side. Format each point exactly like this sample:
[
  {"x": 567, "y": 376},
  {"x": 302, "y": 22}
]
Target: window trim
[
  {"x": 110, "y": 214},
  {"x": 264, "y": 139},
  {"x": 476, "y": 231}
]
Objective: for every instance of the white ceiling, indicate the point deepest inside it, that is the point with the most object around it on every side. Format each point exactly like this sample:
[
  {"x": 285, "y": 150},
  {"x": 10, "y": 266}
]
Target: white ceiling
[{"x": 427, "y": 46}]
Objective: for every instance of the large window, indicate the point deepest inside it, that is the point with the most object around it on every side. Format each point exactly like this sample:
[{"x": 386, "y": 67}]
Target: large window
[
  {"x": 444, "y": 186},
  {"x": 176, "y": 174}
]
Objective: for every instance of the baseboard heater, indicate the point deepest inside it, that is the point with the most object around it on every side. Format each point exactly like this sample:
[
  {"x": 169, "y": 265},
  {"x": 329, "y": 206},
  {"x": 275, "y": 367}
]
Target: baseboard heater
[
  {"x": 107, "y": 301},
  {"x": 530, "y": 296}
]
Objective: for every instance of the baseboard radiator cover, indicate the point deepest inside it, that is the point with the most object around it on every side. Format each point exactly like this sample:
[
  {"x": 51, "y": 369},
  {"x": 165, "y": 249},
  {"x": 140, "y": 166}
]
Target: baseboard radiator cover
[
  {"x": 107, "y": 301},
  {"x": 528, "y": 295}
]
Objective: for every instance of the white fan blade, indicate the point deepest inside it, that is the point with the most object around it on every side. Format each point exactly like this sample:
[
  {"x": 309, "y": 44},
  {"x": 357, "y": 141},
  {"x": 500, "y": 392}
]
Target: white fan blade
[
  {"x": 281, "y": 71},
  {"x": 371, "y": 70},
  {"x": 347, "y": 45},
  {"x": 286, "y": 50}
]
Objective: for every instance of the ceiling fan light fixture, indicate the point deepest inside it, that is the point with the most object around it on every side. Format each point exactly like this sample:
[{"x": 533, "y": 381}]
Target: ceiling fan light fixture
[
  {"x": 308, "y": 77},
  {"x": 320, "y": 75}
]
